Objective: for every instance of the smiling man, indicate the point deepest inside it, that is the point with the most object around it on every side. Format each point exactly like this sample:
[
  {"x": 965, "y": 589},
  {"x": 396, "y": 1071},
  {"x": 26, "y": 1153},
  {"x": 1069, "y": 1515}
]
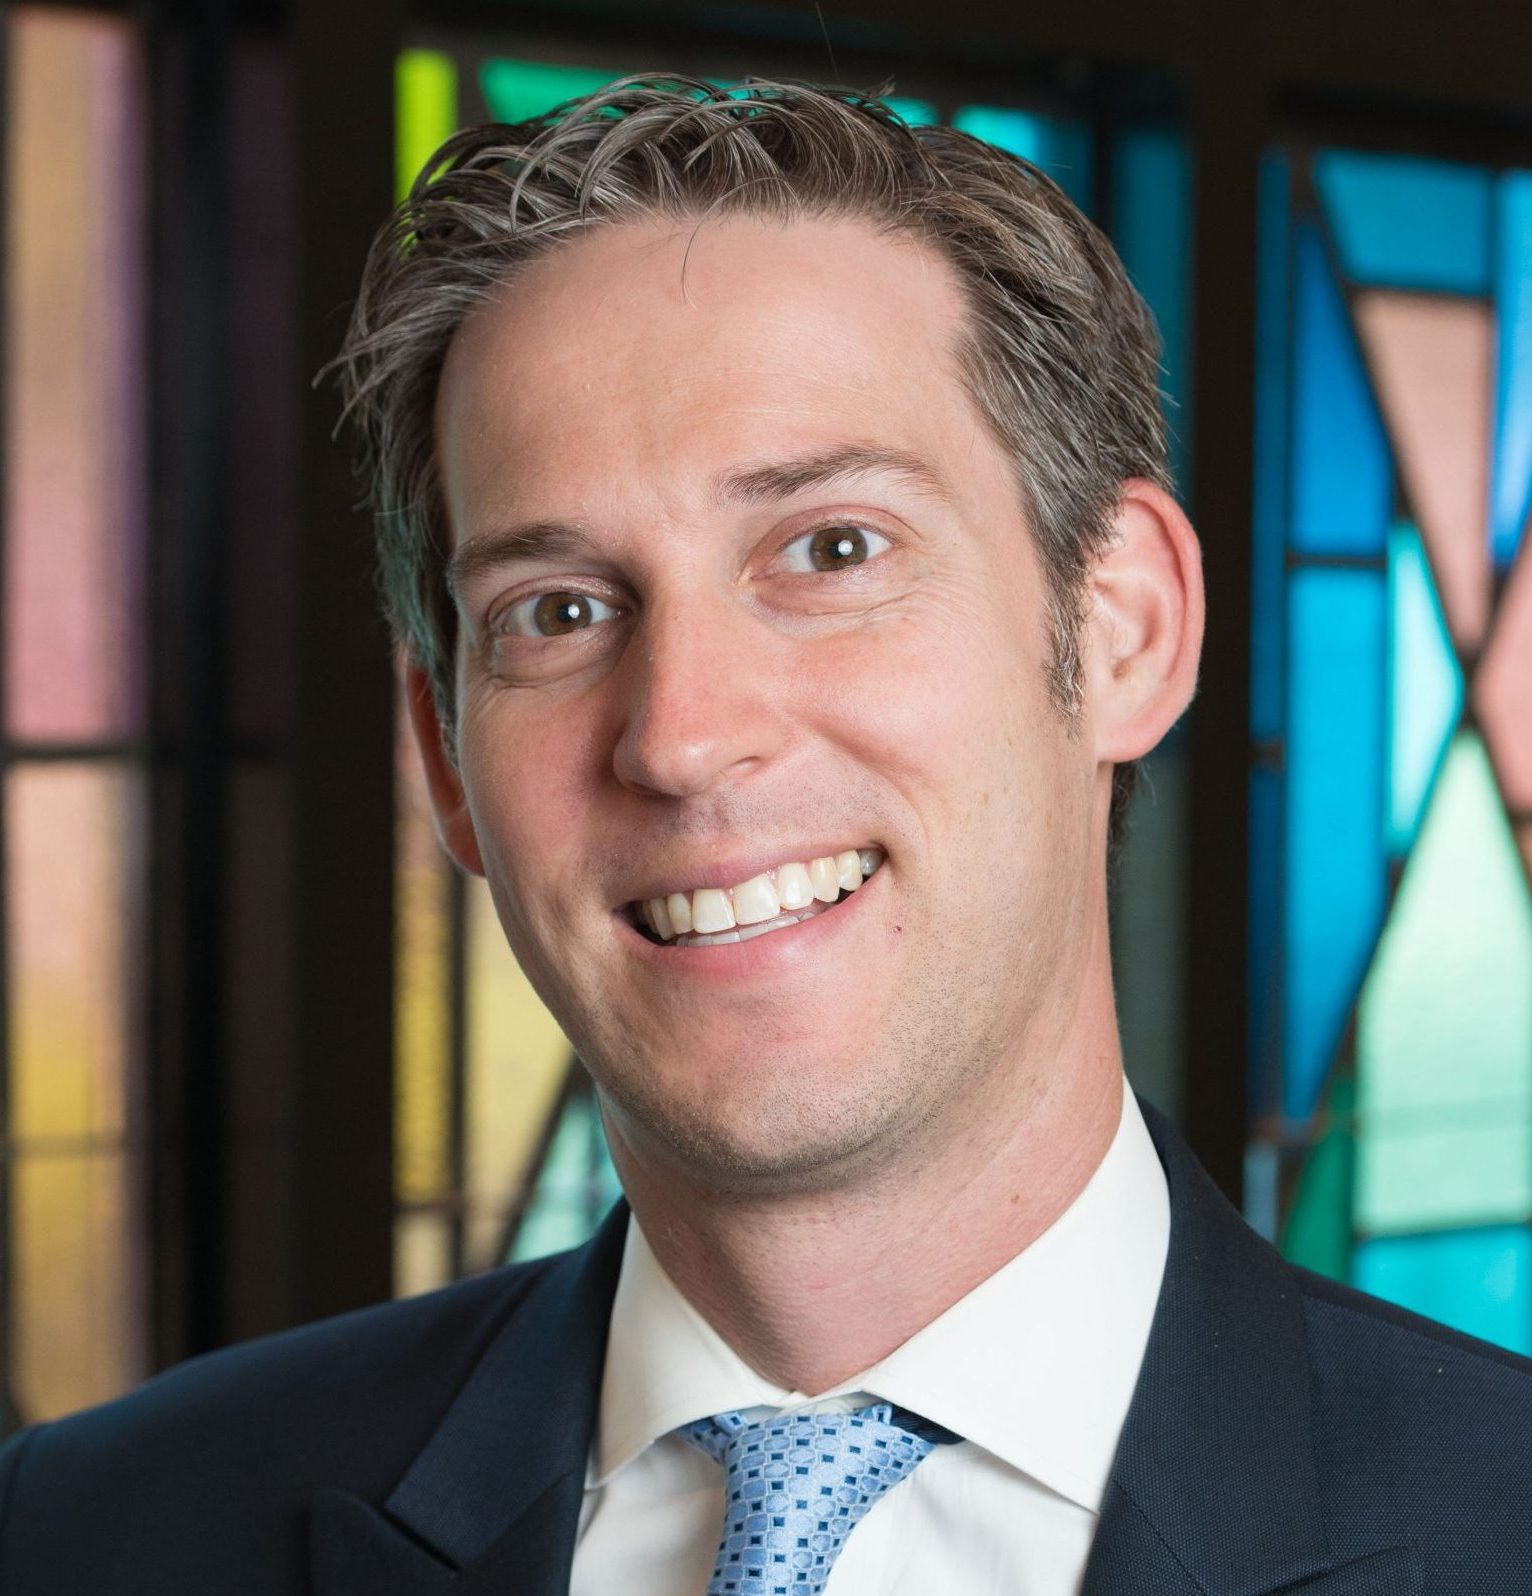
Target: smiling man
[{"x": 773, "y": 512}]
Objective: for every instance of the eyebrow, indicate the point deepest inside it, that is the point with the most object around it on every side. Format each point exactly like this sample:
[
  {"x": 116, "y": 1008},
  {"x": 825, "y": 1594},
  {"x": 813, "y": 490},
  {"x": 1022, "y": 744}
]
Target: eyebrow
[
  {"x": 490, "y": 551},
  {"x": 762, "y": 483},
  {"x": 780, "y": 479}
]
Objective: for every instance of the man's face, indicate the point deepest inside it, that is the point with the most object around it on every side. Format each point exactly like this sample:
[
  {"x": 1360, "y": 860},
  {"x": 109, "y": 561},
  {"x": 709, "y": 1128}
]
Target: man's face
[{"x": 744, "y": 583}]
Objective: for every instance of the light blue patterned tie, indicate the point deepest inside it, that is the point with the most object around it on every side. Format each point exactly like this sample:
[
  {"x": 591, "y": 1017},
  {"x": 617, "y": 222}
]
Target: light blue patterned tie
[{"x": 798, "y": 1485}]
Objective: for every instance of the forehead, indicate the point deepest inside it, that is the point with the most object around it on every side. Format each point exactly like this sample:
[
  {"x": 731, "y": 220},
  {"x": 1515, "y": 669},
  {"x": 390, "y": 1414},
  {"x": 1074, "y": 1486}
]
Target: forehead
[{"x": 661, "y": 351}]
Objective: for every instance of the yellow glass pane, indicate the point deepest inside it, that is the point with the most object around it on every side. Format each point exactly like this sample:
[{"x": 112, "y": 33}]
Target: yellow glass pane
[
  {"x": 75, "y": 1269},
  {"x": 422, "y": 1253},
  {"x": 75, "y": 862},
  {"x": 423, "y": 1018},
  {"x": 517, "y": 1059},
  {"x": 76, "y": 488}
]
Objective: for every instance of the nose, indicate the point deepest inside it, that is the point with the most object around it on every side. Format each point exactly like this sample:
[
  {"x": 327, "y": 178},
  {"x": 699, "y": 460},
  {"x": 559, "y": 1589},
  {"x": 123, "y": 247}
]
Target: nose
[{"x": 701, "y": 707}]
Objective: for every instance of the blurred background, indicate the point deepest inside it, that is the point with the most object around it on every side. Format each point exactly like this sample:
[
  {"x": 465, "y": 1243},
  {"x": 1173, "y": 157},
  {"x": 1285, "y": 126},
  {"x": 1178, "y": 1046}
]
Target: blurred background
[{"x": 265, "y": 1056}]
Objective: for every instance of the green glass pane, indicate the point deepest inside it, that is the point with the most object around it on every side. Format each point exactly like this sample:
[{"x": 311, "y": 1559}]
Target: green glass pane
[
  {"x": 1444, "y": 1029},
  {"x": 1436, "y": 1171},
  {"x": 1425, "y": 685},
  {"x": 575, "y": 1186},
  {"x": 1318, "y": 1234},
  {"x": 425, "y": 111},
  {"x": 517, "y": 90}
]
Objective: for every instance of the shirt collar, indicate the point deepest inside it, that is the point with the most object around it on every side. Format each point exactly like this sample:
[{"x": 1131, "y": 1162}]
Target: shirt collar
[{"x": 1036, "y": 1364}]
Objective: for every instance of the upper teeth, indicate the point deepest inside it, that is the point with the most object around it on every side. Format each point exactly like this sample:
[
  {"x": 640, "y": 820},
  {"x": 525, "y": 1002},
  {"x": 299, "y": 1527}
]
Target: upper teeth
[{"x": 783, "y": 889}]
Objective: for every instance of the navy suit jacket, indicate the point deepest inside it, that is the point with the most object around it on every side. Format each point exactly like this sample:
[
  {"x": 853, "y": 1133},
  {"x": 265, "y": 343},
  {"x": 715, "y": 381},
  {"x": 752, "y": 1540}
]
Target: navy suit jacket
[{"x": 1287, "y": 1435}]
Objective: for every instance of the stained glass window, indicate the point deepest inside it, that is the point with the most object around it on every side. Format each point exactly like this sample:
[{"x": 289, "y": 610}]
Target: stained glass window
[
  {"x": 498, "y": 1143},
  {"x": 1391, "y": 934},
  {"x": 74, "y": 788}
]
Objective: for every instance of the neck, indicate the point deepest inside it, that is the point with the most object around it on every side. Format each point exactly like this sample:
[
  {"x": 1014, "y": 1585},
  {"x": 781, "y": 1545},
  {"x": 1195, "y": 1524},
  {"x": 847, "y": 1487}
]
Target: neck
[{"x": 812, "y": 1288}]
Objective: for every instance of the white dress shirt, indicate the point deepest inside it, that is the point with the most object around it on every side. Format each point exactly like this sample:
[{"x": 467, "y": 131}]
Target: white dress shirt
[{"x": 1035, "y": 1368}]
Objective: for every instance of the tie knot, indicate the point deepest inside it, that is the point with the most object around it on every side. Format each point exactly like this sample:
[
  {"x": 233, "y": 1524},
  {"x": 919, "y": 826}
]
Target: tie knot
[{"x": 797, "y": 1485}]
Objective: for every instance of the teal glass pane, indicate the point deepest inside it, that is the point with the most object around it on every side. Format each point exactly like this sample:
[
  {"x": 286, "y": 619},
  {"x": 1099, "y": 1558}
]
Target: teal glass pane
[
  {"x": 917, "y": 113},
  {"x": 1402, "y": 222},
  {"x": 517, "y": 90},
  {"x": 1341, "y": 491},
  {"x": 1317, "y": 1233},
  {"x": 1062, "y": 149},
  {"x": 1151, "y": 227},
  {"x": 1425, "y": 686},
  {"x": 1335, "y": 873},
  {"x": 575, "y": 1186},
  {"x": 1444, "y": 1027},
  {"x": 1269, "y": 577},
  {"x": 1477, "y": 1281},
  {"x": 1513, "y": 385}
]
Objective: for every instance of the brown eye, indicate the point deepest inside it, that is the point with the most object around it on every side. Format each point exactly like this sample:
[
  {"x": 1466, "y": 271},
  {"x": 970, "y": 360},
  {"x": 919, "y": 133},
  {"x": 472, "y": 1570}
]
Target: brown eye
[
  {"x": 557, "y": 613},
  {"x": 554, "y": 614},
  {"x": 833, "y": 548}
]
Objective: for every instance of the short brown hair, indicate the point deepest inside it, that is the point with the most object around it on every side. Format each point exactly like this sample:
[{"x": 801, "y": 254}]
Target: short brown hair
[{"x": 1060, "y": 353}]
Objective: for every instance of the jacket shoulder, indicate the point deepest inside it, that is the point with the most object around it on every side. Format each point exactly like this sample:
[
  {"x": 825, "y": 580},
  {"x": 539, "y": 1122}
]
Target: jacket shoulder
[
  {"x": 226, "y": 1446},
  {"x": 1408, "y": 1412}
]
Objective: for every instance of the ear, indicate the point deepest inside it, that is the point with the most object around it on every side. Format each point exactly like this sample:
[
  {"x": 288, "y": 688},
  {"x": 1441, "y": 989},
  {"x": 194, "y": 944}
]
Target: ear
[
  {"x": 1144, "y": 624},
  {"x": 454, "y": 824}
]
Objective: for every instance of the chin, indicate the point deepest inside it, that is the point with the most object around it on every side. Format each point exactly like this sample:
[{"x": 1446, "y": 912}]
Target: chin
[{"x": 761, "y": 1136}]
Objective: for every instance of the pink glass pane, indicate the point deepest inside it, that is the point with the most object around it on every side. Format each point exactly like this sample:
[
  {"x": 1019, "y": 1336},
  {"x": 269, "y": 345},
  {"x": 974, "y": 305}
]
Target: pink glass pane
[
  {"x": 1432, "y": 360},
  {"x": 75, "y": 444},
  {"x": 1503, "y": 689}
]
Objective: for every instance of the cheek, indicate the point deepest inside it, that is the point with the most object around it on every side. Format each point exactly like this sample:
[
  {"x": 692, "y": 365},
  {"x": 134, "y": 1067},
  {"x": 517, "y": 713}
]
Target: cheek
[
  {"x": 950, "y": 703},
  {"x": 527, "y": 778}
]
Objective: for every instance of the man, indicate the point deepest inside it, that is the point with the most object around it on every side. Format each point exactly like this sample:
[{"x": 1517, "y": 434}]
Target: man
[{"x": 773, "y": 510}]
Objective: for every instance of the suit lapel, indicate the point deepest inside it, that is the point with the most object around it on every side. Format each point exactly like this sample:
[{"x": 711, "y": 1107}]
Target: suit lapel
[
  {"x": 1215, "y": 1489},
  {"x": 492, "y": 1503}
]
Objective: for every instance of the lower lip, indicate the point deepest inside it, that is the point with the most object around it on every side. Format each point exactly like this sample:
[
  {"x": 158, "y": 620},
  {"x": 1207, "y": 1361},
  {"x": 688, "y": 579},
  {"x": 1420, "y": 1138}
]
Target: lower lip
[{"x": 775, "y": 952}]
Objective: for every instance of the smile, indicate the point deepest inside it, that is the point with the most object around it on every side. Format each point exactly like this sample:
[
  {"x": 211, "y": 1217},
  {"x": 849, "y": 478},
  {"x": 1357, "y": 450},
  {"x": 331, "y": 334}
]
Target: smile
[{"x": 771, "y": 901}]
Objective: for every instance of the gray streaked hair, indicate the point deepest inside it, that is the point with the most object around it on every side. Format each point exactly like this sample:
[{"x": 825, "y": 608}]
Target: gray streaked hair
[{"x": 1060, "y": 353}]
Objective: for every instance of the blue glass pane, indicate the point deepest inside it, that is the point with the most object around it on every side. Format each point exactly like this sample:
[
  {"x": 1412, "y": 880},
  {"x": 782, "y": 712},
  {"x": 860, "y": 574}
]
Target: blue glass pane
[
  {"x": 1425, "y": 686},
  {"x": 1477, "y": 1281},
  {"x": 1062, "y": 149},
  {"x": 1265, "y": 1006},
  {"x": 1151, "y": 230},
  {"x": 1269, "y": 578},
  {"x": 1334, "y": 843},
  {"x": 1341, "y": 490},
  {"x": 1401, "y": 222},
  {"x": 1513, "y": 387}
]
